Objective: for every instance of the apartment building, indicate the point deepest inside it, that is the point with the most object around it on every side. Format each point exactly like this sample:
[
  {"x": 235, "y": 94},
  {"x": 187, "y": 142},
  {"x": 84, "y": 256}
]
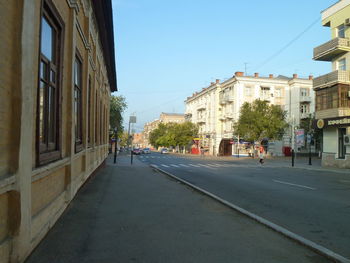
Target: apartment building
[
  {"x": 163, "y": 118},
  {"x": 333, "y": 89},
  {"x": 57, "y": 73},
  {"x": 216, "y": 108}
]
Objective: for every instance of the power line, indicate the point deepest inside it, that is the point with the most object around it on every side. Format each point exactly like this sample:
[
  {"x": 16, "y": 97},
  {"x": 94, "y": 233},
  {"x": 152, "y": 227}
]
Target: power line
[{"x": 288, "y": 44}]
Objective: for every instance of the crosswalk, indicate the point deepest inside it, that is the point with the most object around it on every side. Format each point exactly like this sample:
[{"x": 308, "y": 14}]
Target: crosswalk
[{"x": 212, "y": 166}]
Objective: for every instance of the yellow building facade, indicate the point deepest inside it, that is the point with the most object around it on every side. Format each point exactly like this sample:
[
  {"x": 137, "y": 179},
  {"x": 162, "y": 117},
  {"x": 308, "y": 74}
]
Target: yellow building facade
[
  {"x": 57, "y": 74},
  {"x": 333, "y": 89}
]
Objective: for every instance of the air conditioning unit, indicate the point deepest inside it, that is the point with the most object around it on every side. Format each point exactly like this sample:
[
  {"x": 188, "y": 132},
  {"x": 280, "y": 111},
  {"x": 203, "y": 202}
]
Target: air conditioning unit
[
  {"x": 347, "y": 22},
  {"x": 347, "y": 140}
]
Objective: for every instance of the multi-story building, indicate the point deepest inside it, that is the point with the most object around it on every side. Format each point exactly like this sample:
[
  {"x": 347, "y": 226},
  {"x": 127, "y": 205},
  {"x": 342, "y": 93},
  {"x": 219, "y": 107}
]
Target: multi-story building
[
  {"x": 57, "y": 73},
  {"x": 216, "y": 108},
  {"x": 333, "y": 89},
  {"x": 163, "y": 118}
]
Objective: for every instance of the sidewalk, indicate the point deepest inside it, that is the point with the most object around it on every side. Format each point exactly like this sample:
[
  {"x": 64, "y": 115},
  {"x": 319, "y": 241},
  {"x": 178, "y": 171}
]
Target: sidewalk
[{"x": 134, "y": 214}]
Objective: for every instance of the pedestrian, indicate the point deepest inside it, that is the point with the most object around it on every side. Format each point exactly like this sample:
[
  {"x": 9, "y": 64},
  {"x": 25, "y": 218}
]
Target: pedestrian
[
  {"x": 261, "y": 155},
  {"x": 202, "y": 152}
]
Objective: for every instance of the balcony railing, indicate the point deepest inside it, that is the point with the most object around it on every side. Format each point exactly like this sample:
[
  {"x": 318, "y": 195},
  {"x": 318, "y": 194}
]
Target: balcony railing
[
  {"x": 201, "y": 120},
  {"x": 221, "y": 117},
  {"x": 332, "y": 48},
  {"x": 201, "y": 107},
  {"x": 304, "y": 115},
  {"x": 222, "y": 100},
  {"x": 305, "y": 98},
  {"x": 229, "y": 98},
  {"x": 229, "y": 115},
  {"x": 338, "y": 76}
]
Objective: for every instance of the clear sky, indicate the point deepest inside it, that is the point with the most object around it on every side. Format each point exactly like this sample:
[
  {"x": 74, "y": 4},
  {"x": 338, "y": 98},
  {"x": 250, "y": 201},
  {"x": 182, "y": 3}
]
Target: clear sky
[{"x": 168, "y": 49}]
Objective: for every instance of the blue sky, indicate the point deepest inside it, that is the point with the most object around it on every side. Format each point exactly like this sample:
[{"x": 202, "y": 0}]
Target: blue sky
[{"x": 166, "y": 50}]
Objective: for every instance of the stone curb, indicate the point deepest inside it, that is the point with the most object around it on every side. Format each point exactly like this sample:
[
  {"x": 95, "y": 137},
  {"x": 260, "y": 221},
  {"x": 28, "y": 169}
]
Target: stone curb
[{"x": 308, "y": 243}]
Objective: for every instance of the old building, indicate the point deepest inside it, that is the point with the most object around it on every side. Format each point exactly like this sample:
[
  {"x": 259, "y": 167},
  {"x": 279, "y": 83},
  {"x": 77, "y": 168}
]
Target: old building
[
  {"x": 163, "y": 118},
  {"x": 333, "y": 89},
  {"x": 216, "y": 108},
  {"x": 57, "y": 73}
]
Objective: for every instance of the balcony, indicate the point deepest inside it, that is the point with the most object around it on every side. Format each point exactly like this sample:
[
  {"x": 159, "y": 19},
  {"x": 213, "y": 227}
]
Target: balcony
[
  {"x": 201, "y": 107},
  {"x": 222, "y": 100},
  {"x": 229, "y": 115},
  {"x": 305, "y": 98},
  {"x": 304, "y": 115},
  {"x": 330, "y": 79},
  {"x": 229, "y": 98},
  {"x": 201, "y": 120},
  {"x": 332, "y": 48},
  {"x": 221, "y": 117}
]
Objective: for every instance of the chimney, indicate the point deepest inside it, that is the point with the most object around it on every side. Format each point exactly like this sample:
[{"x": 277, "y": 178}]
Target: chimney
[
  {"x": 295, "y": 76},
  {"x": 270, "y": 76},
  {"x": 311, "y": 77},
  {"x": 212, "y": 83},
  {"x": 256, "y": 74},
  {"x": 239, "y": 74},
  {"x": 217, "y": 81}
]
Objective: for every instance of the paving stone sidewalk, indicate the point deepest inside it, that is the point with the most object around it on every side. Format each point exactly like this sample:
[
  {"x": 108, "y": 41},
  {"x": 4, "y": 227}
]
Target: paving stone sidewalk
[{"x": 133, "y": 214}]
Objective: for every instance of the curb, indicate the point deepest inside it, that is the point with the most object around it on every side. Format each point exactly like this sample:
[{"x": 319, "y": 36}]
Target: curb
[{"x": 308, "y": 243}]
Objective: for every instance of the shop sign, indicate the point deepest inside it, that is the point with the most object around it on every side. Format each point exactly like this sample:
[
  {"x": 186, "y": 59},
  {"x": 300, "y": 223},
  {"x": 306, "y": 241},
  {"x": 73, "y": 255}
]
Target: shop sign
[{"x": 332, "y": 122}]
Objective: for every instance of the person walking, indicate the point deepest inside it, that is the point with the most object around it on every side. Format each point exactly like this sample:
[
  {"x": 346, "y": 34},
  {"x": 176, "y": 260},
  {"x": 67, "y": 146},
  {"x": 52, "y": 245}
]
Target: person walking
[{"x": 261, "y": 155}]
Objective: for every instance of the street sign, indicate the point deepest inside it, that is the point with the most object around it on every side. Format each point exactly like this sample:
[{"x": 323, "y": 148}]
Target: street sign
[
  {"x": 132, "y": 119},
  {"x": 308, "y": 138}
]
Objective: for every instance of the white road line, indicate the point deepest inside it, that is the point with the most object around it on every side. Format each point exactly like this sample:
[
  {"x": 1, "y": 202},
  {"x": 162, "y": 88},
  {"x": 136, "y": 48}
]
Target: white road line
[
  {"x": 165, "y": 165},
  {"x": 194, "y": 165},
  {"x": 298, "y": 185},
  {"x": 184, "y": 165},
  {"x": 344, "y": 181},
  {"x": 206, "y": 166},
  {"x": 174, "y": 165}
]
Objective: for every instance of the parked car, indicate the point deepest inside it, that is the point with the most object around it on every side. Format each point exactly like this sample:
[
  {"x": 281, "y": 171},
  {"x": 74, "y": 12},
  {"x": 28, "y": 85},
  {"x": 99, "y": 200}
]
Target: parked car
[
  {"x": 164, "y": 150},
  {"x": 136, "y": 151},
  {"x": 146, "y": 150}
]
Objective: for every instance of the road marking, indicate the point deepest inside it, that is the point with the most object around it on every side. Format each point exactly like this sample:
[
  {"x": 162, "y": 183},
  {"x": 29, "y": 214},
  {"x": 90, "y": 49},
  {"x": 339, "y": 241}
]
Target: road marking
[
  {"x": 174, "y": 165},
  {"x": 298, "y": 185},
  {"x": 165, "y": 165},
  {"x": 344, "y": 181},
  {"x": 194, "y": 165},
  {"x": 184, "y": 165}
]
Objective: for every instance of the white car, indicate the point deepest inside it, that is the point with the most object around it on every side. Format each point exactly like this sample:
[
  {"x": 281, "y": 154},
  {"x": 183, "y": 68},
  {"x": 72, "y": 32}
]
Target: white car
[
  {"x": 146, "y": 150},
  {"x": 164, "y": 150}
]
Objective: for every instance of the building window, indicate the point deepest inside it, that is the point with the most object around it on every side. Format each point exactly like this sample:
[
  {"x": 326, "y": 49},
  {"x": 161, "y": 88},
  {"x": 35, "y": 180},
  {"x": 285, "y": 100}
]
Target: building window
[
  {"x": 48, "y": 102},
  {"x": 333, "y": 97},
  {"x": 341, "y": 31},
  {"x": 341, "y": 64},
  {"x": 304, "y": 108},
  {"x": 89, "y": 111},
  {"x": 78, "y": 104},
  {"x": 248, "y": 91},
  {"x": 304, "y": 92}
]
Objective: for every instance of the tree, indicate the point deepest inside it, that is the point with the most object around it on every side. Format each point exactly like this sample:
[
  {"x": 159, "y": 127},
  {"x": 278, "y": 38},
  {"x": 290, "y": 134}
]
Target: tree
[
  {"x": 260, "y": 120},
  {"x": 117, "y": 107},
  {"x": 173, "y": 134}
]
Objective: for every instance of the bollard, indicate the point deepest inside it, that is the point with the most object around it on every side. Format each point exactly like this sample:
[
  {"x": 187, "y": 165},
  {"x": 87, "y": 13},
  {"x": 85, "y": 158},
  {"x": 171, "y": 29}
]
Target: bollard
[
  {"x": 310, "y": 156},
  {"x": 293, "y": 157},
  {"x": 132, "y": 156}
]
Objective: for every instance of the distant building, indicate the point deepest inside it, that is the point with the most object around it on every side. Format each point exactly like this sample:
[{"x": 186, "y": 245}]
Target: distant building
[
  {"x": 57, "y": 74},
  {"x": 163, "y": 118},
  {"x": 138, "y": 140},
  {"x": 333, "y": 89},
  {"x": 216, "y": 108}
]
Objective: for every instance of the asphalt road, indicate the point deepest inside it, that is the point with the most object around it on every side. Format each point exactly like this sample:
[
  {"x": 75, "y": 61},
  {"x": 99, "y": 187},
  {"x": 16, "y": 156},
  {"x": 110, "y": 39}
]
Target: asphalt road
[{"x": 312, "y": 204}]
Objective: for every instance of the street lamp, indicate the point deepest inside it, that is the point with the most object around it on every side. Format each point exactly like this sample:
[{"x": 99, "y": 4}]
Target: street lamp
[{"x": 115, "y": 143}]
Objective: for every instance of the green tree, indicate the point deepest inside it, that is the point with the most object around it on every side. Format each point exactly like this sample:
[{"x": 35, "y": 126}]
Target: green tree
[
  {"x": 117, "y": 107},
  {"x": 260, "y": 120},
  {"x": 173, "y": 134}
]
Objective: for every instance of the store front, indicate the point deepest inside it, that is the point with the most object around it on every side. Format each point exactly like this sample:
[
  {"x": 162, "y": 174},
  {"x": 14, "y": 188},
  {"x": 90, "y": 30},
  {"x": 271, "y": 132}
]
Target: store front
[
  {"x": 225, "y": 148},
  {"x": 336, "y": 145}
]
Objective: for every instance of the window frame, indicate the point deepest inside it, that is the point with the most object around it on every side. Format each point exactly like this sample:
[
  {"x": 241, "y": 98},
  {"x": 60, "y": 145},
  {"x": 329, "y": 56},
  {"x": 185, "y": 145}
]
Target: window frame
[
  {"x": 78, "y": 116},
  {"x": 50, "y": 151},
  {"x": 341, "y": 28}
]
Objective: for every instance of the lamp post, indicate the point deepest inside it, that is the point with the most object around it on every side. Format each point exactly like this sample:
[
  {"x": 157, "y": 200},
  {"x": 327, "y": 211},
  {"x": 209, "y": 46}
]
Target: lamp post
[{"x": 115, "y": 144}]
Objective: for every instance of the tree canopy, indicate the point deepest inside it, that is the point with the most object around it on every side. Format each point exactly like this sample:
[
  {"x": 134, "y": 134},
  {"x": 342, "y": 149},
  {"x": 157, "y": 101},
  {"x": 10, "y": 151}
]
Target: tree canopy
[
  {"x": 173, "y": 134},
  {"x": 117, "y": 107},
  {"x": 260, "y": 120}
]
